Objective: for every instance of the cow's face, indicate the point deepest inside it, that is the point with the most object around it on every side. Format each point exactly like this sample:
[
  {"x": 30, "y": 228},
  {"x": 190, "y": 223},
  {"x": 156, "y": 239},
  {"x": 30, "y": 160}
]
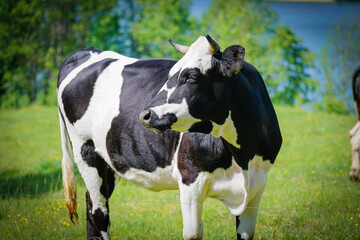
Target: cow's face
[{"x": 196, "y": 92}]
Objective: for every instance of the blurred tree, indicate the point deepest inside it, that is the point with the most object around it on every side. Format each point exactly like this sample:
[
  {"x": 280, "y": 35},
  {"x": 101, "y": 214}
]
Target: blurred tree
[
  {"x": 273, "y": 49},
  {"x": 339, "y": 59},
  {"x": 159, "y": 21},
  {"x": 37, "y": 35}
]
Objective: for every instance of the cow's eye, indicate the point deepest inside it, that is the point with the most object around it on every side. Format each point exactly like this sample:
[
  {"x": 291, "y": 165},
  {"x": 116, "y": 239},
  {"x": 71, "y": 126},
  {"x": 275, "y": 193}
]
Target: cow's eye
[{"x": 190, "y": 80}]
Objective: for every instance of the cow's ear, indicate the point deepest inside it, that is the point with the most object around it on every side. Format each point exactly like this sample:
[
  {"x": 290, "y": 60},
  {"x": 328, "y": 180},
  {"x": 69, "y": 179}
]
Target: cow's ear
[{"x": 232, "y": 60}]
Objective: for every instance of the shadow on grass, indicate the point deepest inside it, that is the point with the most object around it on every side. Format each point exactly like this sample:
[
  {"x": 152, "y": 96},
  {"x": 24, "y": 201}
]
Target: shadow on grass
[{"x": 29, "y": 185}]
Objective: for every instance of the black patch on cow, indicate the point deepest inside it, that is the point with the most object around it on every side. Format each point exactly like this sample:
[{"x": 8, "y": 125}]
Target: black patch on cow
[
  {"x": 253, "y": 116},
  {"x": 201, "y": 152},
  {"x": 201, "y": 127},
  {"x": 163, "y": 123},
  {"x": 77, "y": 94},
  {"x": 93, "y": 159},
  {"x": 72, "y": 62},
  {"x": 129, "y": 144},
  {"x": 161, "y": 98},
  {"x": 92, "y": 232},
  {"x": 172, "y": 81},
  {"x": 102, "y": 221},
  {"x": 96, "y": 222},
  {"x": 356, "y": 89}
]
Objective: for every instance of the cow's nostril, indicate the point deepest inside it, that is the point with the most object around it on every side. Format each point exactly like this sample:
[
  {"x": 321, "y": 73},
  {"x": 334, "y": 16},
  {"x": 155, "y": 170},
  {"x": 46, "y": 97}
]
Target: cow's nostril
[{"x": 145, "y": 117}]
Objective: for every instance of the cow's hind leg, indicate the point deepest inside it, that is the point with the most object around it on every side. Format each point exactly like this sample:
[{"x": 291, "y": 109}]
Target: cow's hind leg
[{"x": 100, "y": 181}]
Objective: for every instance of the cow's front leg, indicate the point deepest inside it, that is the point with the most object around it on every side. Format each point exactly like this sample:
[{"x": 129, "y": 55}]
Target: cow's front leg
[
  {"x": 245, "y": 223},
  {"x": 192, "y": 199}
]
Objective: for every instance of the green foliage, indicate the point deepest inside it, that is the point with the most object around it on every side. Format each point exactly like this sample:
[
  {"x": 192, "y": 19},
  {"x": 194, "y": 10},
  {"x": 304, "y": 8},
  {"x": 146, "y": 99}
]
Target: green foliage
[
  {"x": 338, "y": 60},
  {"x": 158, "y": 21},
  {"x": 37, "y": 36},
  {"x": 273, "y": 49},
  {"x": 307, "y": 186}
]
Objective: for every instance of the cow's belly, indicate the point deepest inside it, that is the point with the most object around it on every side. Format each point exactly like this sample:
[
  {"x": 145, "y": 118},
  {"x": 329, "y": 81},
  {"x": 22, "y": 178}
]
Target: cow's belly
[{"x": 160, "y": 179}]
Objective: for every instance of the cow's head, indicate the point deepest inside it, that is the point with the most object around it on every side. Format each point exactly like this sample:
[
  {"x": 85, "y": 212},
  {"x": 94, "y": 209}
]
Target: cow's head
[{"x": 197, "y": 90}]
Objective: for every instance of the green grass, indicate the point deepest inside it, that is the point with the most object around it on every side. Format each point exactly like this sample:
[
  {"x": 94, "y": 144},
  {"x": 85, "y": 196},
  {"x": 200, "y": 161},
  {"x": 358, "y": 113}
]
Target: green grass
[{"x": 308, "y": 194}]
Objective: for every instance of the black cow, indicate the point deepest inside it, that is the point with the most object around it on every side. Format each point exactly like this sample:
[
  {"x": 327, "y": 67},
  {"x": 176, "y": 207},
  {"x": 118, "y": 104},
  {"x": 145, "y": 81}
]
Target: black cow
[
  {"x": 354, "y": 133},
  {"x": 101, "y": 96}
]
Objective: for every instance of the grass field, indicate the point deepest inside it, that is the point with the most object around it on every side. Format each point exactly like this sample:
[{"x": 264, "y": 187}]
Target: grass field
[{"x": 308, "y": 194}]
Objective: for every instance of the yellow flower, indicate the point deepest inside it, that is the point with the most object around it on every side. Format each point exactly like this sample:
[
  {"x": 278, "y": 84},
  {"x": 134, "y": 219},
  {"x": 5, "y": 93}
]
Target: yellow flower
[
  {"x": 275, "y": 201},
  {"x": 313, "y": 172},
  {"x": 131, "y": 214}
]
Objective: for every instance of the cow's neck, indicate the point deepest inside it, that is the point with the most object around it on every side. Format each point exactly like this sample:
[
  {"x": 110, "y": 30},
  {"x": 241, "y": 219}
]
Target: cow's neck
[{"x": 243, "y": 114}]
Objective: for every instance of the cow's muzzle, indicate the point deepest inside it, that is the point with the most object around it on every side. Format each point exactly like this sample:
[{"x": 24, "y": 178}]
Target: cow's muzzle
[{"x": 150, "y": 119}]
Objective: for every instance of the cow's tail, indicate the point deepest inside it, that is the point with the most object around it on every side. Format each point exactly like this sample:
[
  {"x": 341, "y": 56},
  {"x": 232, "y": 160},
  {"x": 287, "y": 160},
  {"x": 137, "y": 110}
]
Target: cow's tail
[{"x": 68, "y": 177}]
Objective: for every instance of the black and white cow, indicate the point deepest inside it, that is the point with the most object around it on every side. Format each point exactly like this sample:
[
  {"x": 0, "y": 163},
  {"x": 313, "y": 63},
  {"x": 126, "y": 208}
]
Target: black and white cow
[
  {"x": 354, "y": 133},
  {"x": 102, "y": 95}
]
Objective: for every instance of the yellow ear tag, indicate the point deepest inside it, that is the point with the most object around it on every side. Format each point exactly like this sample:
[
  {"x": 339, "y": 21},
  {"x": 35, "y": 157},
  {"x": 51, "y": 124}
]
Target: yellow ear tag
[{"x": 238, "y": 70}]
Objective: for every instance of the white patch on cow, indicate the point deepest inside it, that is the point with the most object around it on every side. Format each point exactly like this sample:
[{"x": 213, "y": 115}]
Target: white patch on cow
[
  {"x": 241, "y": 190},
  {"x": 354, "y": 135},
  {"x": 198, "y": 56},
  {"x": 179, "y": 109},
  {"x": 226, "y": 130},
  {"x": 160, "y": 179},
  {"x": 105, "y": 235},
  {"x": 192, "y": 198}
]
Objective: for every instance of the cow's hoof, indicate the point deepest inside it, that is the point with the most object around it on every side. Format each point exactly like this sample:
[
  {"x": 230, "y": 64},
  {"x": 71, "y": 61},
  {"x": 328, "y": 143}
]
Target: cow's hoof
[{"x": 353, "y": 176}]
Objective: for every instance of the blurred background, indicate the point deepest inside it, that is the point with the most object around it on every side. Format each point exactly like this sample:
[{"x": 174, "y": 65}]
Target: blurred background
[{"x": 306, "y": 51}]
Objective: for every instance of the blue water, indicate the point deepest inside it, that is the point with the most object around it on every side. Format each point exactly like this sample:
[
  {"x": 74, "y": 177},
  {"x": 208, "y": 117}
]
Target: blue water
[
  {"x": 313, "y": 22},
  {"x": 310, "y": 21}
]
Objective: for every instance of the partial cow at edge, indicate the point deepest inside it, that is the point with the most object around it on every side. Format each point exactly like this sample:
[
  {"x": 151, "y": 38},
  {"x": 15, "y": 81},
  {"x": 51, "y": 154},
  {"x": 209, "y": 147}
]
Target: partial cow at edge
[
  {"x": 354, "y": 133},
  {"x": 204, "y": 125}
]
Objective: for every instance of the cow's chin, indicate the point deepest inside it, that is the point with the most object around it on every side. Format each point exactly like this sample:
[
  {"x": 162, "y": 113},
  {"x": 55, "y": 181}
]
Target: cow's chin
[
  {"x": 160, "y": 128},
  {"x": 160, "y": 125}
]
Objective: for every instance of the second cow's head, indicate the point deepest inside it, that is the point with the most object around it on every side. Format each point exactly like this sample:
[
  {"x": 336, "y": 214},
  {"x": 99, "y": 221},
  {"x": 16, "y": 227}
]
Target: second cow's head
[{"x": 196, "y": 93}]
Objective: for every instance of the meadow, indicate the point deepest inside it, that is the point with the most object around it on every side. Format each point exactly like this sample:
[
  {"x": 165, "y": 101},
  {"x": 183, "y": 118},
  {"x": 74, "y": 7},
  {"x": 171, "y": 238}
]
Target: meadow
[{"x": 308, "y": 194}]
